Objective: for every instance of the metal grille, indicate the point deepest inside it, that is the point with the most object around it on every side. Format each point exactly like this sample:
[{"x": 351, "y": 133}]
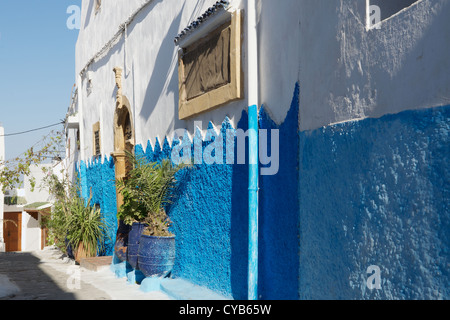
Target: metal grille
[{"x": 97, "y": 142}]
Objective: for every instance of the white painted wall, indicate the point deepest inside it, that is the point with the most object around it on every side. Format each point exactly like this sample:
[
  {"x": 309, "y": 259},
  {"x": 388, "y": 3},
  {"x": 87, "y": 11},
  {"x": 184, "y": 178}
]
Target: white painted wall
[
  {"x": 150, "y": 77},
  {"x": 40, "y": 192},
  {"x": 348, "y": 72},
  {"x": 345, "y": 71},
  {"x": 98, "y": 28},
  {"x": 31, "y": 233},
  {"x": 72, "y": 156},
  {"x": 31, "y": 230}
]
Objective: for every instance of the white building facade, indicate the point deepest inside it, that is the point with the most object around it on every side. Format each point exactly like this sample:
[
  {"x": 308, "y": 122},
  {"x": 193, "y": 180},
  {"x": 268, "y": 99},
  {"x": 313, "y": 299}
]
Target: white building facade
[
  {"x": 355, "y": 106},
  {"x": 26, "y": 207}
]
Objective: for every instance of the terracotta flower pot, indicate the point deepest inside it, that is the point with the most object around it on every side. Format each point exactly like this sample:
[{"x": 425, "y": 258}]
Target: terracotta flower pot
[{"x": 81, "y": 253}]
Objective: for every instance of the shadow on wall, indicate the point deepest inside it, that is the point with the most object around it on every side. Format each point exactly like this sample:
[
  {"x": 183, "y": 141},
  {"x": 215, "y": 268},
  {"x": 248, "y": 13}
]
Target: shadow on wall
[
  {"x": 279, "y": 211},
  {"x": 389, "y": 8},
  {"x": 164, "y": 78},
  {"x": 424, "y": 65},
  {"x": 211, "y": 216},
  {"x": 376, "y": 192},
  {"x": 359, "y": 73},
  {"x": 89, "y": 14},
  {"x": 209, "y": 220}
]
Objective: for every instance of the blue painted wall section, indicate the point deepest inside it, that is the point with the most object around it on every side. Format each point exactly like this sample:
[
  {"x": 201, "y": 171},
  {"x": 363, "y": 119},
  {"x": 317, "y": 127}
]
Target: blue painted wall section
[
  {"x": 376, "y": 192},
  {"x": 211, "y": 217},
  {"x": 279, "y": 207},
  {"x": 346, "y": 197},
  {"x": 98, "y": 180},
  {"x": 211, "y": 213},
  {"x": 208, "y": 246}
]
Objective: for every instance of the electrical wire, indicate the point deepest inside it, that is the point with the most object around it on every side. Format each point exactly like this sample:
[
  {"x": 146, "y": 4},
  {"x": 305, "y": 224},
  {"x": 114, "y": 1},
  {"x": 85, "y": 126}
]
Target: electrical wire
[
  {"x": 32, "y": 130},
  {"x": 113, "y": 41},
  {"x": 15, "y": 159}
]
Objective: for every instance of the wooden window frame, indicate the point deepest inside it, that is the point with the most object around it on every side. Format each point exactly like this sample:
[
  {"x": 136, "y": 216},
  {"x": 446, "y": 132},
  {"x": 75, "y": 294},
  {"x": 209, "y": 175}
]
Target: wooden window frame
[
  {"x": 78, "y": 139},
  {"x": 95, "y": 147},
  {"x": 224, "y": 94}
]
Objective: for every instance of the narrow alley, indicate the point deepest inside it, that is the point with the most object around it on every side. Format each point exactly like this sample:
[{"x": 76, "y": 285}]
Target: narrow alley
[{"x": 49, "y": 275}]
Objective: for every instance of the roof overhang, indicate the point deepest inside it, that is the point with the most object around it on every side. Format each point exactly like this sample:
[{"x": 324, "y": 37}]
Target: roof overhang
[{"x": 44, "y": 209}]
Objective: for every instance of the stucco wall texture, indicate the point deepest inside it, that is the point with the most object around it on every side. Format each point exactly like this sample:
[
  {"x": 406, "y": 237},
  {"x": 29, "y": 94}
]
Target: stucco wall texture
[
  {"x": 211, "y": 217},
  {"x": 97, "y": 180},
  {"x": 347, "y": 196},
  {"x": 376, "y": 192}
]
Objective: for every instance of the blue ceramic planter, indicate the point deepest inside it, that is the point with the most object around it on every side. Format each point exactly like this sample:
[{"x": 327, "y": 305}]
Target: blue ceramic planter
[
  {"x": 156, "y": 255},
  {"x": 121, "y": 245},
  {"x": 133, "y": 243}
]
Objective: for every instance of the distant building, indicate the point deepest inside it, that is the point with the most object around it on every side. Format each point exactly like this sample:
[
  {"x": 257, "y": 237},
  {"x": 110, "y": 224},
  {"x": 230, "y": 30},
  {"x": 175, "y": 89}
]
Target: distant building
[
  {"x": 24, "y": 210},
  {"x": 355, "y": 179}
]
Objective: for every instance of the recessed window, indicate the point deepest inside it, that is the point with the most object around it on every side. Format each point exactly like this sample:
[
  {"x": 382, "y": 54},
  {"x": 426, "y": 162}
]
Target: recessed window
[
  {"x": 207, "y": 63},
  {"x": 390, "y": 7},
  {"x": 78, "y": 140},
  {"x": 210, "y": 70},
  {"x": 96, "y": 140}
]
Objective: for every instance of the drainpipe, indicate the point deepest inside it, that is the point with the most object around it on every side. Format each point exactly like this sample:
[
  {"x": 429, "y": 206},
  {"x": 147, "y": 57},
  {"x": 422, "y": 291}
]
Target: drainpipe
[{"x": 253, "y": 188}]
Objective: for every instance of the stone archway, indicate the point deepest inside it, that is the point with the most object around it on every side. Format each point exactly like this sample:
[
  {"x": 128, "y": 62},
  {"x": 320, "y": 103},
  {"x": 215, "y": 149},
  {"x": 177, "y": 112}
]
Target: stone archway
[{"x": 123, "y": 134}]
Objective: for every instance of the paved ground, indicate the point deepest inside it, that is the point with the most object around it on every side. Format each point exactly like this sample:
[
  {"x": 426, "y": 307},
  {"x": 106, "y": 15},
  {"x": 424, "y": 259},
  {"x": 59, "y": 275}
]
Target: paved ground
[{"x": 48, "y": 275}]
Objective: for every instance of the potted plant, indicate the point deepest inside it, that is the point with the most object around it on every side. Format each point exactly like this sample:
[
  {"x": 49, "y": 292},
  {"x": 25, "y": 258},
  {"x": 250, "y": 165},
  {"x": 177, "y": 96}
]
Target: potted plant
[
  {"x": 131, "y": 213},
  {"x": 77, "y": 228},
  {"x": 156, "y": 253},
  {"x": 147, "y": 191},
  {"x": 85, "y": 228}
]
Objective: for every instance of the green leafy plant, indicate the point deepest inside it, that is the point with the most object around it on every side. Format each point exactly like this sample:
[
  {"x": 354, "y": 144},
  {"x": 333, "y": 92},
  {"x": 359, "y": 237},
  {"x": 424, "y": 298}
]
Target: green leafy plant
[
  {"x": 62, "y": 191},
  {"x": 146, "y": 191},
  {"x": 85, "y": 226},
  {"x": 56, "y": 224},
  {"x": 158, "y": 224},
  {"x": 74, "y": 221},
  {"x": 12, "y": 171}
]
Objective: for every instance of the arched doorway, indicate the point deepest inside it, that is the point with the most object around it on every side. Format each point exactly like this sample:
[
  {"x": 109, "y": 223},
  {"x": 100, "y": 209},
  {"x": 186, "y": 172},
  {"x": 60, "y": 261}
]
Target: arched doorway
[
  {"x": 123, "y": 135},
  {"x": 123, "y": 142}
]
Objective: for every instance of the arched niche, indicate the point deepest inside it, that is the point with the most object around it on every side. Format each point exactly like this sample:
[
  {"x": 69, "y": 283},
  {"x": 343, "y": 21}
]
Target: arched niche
[{"x": 124, "y": 137}]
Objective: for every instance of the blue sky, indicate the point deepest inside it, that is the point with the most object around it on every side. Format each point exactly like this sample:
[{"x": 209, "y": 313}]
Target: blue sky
[{"x": 37, "y": 68}]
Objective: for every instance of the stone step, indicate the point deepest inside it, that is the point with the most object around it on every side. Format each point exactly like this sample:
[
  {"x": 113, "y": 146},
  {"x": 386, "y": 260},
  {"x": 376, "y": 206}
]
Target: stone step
[{"x": 96, "y": 263}]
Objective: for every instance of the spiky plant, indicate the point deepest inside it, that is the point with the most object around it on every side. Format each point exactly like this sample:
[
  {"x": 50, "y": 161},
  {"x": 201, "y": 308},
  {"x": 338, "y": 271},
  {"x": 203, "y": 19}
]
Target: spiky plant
[
  {"x": 86, "y": 226},
  {"x": 146, "y": 191}
]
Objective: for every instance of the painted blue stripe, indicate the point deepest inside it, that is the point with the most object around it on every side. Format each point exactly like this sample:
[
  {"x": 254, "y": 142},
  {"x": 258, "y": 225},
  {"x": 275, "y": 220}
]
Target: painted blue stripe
[{"x": 253, "y": 204}]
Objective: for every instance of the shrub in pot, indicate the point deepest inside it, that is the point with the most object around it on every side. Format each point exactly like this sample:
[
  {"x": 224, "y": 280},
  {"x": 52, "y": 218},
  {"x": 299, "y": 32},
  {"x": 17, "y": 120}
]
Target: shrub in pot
[
  {"x": 77, "y": 228},
  {"x": 146, "y": 192},
  {"x": 156, "y": 254},
  {"x": 85, "y": 228}
]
